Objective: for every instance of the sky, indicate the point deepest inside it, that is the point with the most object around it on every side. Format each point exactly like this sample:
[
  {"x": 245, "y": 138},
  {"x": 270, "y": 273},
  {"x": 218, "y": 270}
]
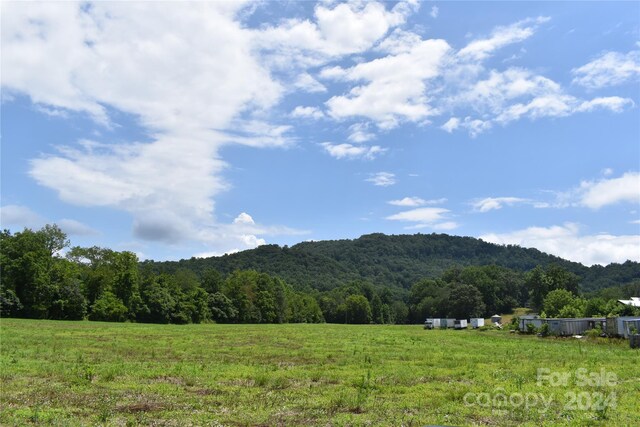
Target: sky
[{"x": 183, "y": 129}]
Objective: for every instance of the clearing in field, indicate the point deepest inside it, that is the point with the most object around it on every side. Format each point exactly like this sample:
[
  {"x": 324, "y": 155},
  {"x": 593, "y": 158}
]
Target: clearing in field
[{"x": 85, "y": 373}]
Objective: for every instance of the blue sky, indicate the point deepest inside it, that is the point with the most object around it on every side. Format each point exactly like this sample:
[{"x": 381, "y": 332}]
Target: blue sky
[{"x": 197, "y": 129}]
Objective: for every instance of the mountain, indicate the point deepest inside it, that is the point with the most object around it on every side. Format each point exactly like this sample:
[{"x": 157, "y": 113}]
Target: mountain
[{"x": 395, "y": 261}]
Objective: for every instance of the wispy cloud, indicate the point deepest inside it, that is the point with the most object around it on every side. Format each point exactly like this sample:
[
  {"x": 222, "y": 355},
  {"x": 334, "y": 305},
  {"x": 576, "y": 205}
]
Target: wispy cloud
[
  {"x": 349, "y": 151},
  {"x": 382, "y": 179},
  {"x": 609, "y": 69},
  {"x": 415, "y": 201}
]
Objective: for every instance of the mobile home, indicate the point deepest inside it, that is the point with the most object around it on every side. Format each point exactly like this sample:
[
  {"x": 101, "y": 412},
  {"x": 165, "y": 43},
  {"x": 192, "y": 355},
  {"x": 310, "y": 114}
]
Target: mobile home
[{"x": 616, "y": 327}]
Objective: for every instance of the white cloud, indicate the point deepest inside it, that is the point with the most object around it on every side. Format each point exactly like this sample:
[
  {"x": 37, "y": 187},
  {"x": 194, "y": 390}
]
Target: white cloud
[
  {"x": 567, "y": 242},
  {"x": 307, "y": 112},
  {"x": 360, "y": 133},
  {"x": 348, "y": 151},
  {"x": 20, "y": 216},
  {"x": 415, "y": 201},
  {"x": 434, "y": 12},
  {"x": 382, "y": 179},
  {"x": 480, "y": 49},
  {"x": 188, "y": 70},
  {"x": 452, "y": 124},
  {"x": 434, "y": 218},
  {"x": 408, "y": 202},
  {"x": 597, "y": 194},
  {"x": 307, "y": 83},
  {"x": 394, "y": 86},
  {"x": 421, "y": 215},
  {"x": 612, "y": 103},
  {"x": 244, "y": 218},
  {"x": 344, "y": 29},
  {"x": 495, "y": 203},
  {"x": 609, "y": 69}
]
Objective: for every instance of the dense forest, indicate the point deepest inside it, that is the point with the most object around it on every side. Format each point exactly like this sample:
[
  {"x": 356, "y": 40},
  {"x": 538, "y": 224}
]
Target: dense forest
[
  {"x": 395, "y": 262},
  {"x": 373, "y": 279}
]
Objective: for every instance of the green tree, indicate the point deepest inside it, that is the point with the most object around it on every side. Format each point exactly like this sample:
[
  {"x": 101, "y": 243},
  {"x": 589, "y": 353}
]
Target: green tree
[
  {"x": 108, "y": 308},
  {"x": 357, "y": 309},
  {"x": 465, "y": 301},
  {"x": 556, "y": 301}
]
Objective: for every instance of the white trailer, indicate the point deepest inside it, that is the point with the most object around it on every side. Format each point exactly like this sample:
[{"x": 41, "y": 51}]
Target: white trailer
[
  {"x": 477, "y": 322},
  {"x": 449, "y": 323},
  {"x": 460, "y": 324}
]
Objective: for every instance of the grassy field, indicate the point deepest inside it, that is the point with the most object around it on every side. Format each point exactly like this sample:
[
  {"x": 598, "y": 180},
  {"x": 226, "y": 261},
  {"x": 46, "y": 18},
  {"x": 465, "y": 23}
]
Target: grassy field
[{"x": 90, "y": 373}]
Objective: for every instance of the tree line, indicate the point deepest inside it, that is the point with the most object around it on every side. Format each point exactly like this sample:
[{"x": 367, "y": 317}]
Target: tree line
[{"x": 43, "y": 277}]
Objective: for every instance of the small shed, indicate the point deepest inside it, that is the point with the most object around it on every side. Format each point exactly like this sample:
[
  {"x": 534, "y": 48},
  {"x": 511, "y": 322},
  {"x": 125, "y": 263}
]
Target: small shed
[
  {"x": 460, "y": 324},
  {"x": 496, "y": 319},
  {"x": 477, "y": 322}
]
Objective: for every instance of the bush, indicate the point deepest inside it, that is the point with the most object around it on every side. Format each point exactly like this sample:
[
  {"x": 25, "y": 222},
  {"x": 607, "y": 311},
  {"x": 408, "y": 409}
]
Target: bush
[
  {"x": 544, "y": 330},
  {"x": 531, "y": 329}
]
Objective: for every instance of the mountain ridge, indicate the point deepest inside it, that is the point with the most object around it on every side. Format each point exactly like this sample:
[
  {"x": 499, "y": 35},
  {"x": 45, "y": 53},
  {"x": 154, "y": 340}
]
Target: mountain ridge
[{"x": 395, "y": 261}]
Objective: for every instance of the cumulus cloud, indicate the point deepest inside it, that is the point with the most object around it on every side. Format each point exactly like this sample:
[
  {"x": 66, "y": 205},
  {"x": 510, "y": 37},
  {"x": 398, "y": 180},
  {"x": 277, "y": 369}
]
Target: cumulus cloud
[
  {"x": 609, "y": 69},
  {"x": 344, "y": 29},
  {"x": 382, "y": 179},
  {"x": 349, "y": 151},
  {"x": 190, "y": 76},
  {"x": 597, "y": 194},
  {"x": 566, "y": 241},
  {"x": 434, "y": 12},
  {"x": 394, "y": 88}
]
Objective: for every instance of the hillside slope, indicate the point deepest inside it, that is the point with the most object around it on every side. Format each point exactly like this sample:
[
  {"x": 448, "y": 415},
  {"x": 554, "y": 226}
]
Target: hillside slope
[{"x": 395, "y": 261}]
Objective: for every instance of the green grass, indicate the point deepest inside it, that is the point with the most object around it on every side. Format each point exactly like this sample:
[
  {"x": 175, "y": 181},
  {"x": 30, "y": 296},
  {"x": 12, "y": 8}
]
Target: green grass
[{"x": 91, "y": 373}]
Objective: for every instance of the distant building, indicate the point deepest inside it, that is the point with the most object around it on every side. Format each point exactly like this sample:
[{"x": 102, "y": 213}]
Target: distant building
[{"x": 633, "y": 302}]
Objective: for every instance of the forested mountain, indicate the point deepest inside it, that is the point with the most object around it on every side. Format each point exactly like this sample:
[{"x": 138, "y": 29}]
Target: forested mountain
[
  {"x": 396, "y": 261},
  {"x": 373, "y": 279}
]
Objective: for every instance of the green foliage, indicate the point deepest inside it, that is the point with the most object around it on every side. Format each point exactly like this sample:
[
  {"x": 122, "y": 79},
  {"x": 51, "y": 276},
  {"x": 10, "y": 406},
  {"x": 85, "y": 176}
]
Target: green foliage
[
  {"x": 544, "y": 330},
  {"x": 374, "y": 279},
  {"x": 556, "y": 300},
  {"x": 357, "y": 310},
  {"x": 465, "y": 301},
  {"x": 108, "y": 308}
]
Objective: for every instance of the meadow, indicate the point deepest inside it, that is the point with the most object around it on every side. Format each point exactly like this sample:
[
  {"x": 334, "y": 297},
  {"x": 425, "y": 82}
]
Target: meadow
[{"x": 92, "y": 373}]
